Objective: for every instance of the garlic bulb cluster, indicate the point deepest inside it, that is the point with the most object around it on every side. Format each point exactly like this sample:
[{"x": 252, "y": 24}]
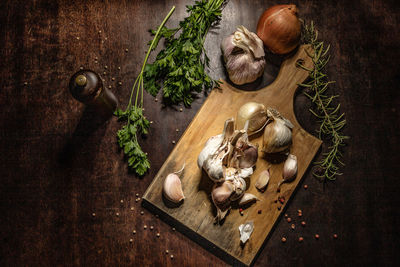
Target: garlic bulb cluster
[
  {"x": 277, "y": 134},
  {"x": 228, "y": 159},
  {"x": 243, "y": 54}
]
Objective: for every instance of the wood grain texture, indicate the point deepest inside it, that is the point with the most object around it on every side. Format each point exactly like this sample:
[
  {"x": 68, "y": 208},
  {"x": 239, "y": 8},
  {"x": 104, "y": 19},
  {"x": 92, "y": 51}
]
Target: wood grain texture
[
  {"x": 197, "y": 212},
  {"x": 59, "y": 163}
]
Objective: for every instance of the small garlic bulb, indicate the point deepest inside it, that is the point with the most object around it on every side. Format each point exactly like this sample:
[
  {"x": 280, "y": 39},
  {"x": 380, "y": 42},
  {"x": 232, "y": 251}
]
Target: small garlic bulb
[
  {"x": 277, "y": 134},
  {"x": 253, "y": 112},
  {"x": 244, "y": 56}
]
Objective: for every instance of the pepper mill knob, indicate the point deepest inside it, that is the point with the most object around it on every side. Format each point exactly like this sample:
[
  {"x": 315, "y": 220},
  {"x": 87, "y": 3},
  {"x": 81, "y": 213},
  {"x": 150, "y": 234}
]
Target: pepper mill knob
[{"x": 87, "y": 87}]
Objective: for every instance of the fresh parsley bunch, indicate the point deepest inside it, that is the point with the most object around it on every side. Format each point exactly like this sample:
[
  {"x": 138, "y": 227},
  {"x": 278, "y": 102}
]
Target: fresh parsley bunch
[{"x": 180, "y": 66}]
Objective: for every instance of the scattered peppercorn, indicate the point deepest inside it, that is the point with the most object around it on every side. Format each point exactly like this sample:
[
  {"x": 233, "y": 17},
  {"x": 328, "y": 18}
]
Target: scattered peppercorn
[
  {"x": 279, "y": 208},
  {"x": 132, "y": 208},
  {"x": 117, "y": 214},
  {"x": 282, "y": 200},
  {"x": 106, "y": 67},
  {"x": 112, "y": 79},
  {"x": 172, "y": 256},
  {"x": 137, "y": 194},
  {"x": 173, "y": 141},
  {"x": 286, "y": 215},
  {"x": 134, "y": 232},
  {"x": 283, "y": 239},
  {"x": 119, "y": 83},
  {"x": 126, "y": 50},
  {"x": 145, "y": 227},
  {"x": 278, "y": 190},
  {"x": 305, "y": 186},
  {"x": 240, "y": 210},
  {"x": 122, "y": 201},
  {"x": 289, "y": 220},
  {"x": 173, "y": 228},
  {"x": 158, "y": 234},
  {"x": 166, "y": 251},
  {"x": 299, "y": 211},
  {"x": 300, "y": 214},
  {"x": 104, "y": 73},
  {"x": 335, "y": 236},
  {"x": 25, "y": 83},
  {"x": 151, "y": 227},
  {"x": 93, "y": 214},
  {"x": 155, "y": 99},
  {"x": 259, "y": 211},
  {"x": 131, "y": 240},
  {"x": 181, "y": 109},
  {"x": 293, "y": 226},
  {"x": 303, "y": 223},
  {"x": 301, "y": 239},
  {"x": 316, "y": 236},
  {"x": 141, "y": 213}
]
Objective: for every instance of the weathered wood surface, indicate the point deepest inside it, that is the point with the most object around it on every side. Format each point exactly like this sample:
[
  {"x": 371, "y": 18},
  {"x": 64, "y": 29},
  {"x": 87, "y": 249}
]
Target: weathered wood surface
[
  {"x": 197, "y": 211},
  {"x": 58, "y": 164}
]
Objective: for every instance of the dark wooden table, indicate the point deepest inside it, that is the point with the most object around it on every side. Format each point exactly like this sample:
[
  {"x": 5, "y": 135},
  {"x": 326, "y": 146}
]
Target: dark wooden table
[{"x": 59, "y": 164}]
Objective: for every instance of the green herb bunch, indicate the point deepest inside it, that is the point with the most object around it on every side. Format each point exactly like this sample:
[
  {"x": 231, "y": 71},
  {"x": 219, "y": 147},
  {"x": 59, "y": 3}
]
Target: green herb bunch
[
  {"x": 180, "y": 66},
  {"x": 136, "y": 121},
  {"x": 328, "y": 114}
]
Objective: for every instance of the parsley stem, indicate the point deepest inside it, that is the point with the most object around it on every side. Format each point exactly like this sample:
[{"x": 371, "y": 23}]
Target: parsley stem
[{"x": 139, "y": 79}]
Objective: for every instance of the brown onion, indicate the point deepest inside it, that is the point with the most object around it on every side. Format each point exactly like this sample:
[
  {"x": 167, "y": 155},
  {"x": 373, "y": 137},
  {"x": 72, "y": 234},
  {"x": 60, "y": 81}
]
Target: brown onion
[{"x": 280, "y": 28}]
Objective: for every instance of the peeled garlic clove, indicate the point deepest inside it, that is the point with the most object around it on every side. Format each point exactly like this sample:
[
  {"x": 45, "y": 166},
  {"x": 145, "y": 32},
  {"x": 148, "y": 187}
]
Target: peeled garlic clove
[
  {"x": 253, "y": 112},
  {"x": 172, "y": 188},
  {"x": 262, "y": 180},
  {"x": 277, "y": 136},
  {"x": 289, "y": 169},
  {"x": 247, "y": 198}
]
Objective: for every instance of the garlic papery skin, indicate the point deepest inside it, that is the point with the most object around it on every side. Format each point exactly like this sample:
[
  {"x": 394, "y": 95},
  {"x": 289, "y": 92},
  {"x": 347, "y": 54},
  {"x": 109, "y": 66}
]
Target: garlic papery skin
[
  {"x": 289, "y": 169},
  {"x": 262, "y": 180},
  {"x": 172, "y": 188},
  {"x": 277, "y": 134},
  {"x": 253, "y": 112},
  {"x": 243, "y": 54}
]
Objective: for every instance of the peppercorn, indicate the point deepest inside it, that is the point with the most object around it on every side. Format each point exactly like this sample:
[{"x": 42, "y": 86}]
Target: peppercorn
[
  {"x": 301, "y": 239},
  {"x": 316, "y": 236},
  {"x": 283, "y": 239},
  {"x": 289, "y": 220},
  {"x": 303, "y": 223}
]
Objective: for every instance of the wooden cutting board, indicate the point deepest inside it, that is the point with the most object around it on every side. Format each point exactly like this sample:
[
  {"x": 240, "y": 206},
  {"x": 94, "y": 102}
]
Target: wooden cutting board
[{"x": 195, "y": 216}]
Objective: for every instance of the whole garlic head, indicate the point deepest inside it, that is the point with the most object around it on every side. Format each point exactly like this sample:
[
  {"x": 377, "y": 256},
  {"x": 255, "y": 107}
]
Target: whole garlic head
[{"x": 243, "y": 54}]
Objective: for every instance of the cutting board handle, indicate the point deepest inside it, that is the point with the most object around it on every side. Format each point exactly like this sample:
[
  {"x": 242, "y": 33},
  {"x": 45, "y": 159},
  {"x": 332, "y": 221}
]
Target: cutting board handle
[{"x": 290, "y": 74}]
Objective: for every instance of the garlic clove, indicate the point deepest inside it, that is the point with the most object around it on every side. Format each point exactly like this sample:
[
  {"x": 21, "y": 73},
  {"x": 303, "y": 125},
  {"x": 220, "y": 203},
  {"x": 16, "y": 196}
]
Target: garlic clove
[
  {"x": 239, "y": 186},
  {"x": 289, "y": 169},
  {"x": 247, "y": 198},
  {"x": 262, "y": 180},
  {"x": 221, "y": 194},
  {"x": 253, "y": 112},
  {"x": 172, "y": 188},
  {"x": 249, "y": 158}
]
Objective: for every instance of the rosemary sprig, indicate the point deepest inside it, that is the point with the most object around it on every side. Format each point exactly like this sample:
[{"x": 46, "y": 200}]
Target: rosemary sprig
[
  {"x": 330, "y": 118},
  {"x": 136, "y": 121}
]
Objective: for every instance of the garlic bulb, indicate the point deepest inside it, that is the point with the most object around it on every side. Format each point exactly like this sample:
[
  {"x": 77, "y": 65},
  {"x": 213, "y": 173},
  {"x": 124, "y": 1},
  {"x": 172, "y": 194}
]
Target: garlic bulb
[
  {"x": 253, "y": 112},
  {"x": 277, "y": 134},
  {"x": 289, "y": 170},
  {"x": 244, "y": 56}
]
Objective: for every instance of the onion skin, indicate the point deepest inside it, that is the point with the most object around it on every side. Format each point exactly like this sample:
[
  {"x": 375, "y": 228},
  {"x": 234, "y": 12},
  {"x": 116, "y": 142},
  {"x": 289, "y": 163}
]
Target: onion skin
[{"x": 280, "y": 28}]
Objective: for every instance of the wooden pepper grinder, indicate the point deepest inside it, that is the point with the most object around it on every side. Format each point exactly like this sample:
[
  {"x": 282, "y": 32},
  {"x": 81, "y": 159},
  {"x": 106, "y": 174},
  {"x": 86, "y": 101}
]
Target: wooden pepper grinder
[{"x": 87, "y": 87}]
